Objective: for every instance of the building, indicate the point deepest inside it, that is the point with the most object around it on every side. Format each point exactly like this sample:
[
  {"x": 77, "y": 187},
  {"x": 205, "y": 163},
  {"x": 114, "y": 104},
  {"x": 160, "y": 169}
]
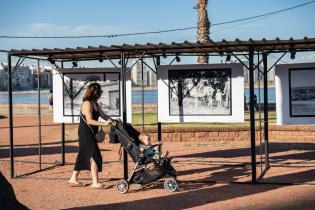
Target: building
[
  {"x": 149, "y": 77},
  {"x": 21, "y": 79},
  {"x": 25, "y": 77},
  {"x": 45, "y": 77},
  {"x": 136, "y": 74},
  {"x": 3, "y": 76},
  {"x": 152, "y": 78}
]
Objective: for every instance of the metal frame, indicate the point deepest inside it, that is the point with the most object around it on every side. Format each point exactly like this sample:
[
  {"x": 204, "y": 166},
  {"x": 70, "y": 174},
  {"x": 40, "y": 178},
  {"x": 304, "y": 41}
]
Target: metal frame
[
  {"x": 236, "y": 48},
  {"x": 11, "y": 131}
]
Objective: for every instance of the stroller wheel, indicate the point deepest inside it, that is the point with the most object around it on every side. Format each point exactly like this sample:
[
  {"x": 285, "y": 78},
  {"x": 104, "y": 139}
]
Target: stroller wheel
[
  {"x": 170, "y": 184},
  {"x": 122, "y": 186}
]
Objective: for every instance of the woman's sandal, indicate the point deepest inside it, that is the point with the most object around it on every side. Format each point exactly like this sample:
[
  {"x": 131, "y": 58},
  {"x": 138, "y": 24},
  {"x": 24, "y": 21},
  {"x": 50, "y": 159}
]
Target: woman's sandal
[{"x": 76, "y": 184}]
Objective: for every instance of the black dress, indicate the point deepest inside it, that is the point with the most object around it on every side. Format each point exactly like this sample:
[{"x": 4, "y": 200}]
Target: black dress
[{"x": 88, "y": 147}]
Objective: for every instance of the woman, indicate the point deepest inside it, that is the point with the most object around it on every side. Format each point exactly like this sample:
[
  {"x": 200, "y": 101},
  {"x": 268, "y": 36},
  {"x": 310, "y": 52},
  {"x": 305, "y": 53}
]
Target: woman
[
  {"x": 89, "y": 157},
  {"x": 51, "y": 100}
]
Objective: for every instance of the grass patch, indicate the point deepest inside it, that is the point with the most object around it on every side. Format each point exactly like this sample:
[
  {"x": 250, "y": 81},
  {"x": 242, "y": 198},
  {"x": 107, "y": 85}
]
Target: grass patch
[{"x": 150, "y": 120}]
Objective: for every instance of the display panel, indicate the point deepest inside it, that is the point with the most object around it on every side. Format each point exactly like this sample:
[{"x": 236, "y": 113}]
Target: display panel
[
  {"x": 200, "y": 92},
  {"x": 75, "y": 86},
  {"x": 302, "y": 92}
]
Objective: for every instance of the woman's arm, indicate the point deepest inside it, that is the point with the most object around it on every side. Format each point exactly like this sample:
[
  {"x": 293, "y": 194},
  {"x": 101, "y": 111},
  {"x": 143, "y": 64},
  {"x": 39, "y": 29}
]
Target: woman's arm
[
  {"x": 87, "y": 111},
  {"x": 104, "y": 115}
]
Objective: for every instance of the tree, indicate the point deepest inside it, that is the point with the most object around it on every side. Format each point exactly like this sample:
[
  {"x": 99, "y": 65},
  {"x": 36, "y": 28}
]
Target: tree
[{"x": 203, "y": 27}]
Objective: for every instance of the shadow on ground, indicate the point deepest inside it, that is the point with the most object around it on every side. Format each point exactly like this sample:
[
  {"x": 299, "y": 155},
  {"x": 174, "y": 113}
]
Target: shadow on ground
[
  {"x": 30, "y": 151},
  {"x": 3, "y": 117},
  {"x": 198, "y": 193}
]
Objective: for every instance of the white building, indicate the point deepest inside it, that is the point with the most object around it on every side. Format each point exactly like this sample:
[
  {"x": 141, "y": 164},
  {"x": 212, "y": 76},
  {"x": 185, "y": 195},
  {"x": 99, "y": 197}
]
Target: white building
[
  {"x": 25, "y": 77},
  {"x": 149, "y": 77},
  {"x": 21, "y": 78},
  {"x": 136, "y": 74},
  {"x": 3, "y": 76},
  {"x": 152, "y": 78},
  {"x": 45, "y": 77}
]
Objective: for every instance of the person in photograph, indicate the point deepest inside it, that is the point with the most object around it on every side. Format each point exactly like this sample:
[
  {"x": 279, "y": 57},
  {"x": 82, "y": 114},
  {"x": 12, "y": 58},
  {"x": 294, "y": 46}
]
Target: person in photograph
[
  {"x": 89, "y": 156},
  {"x": 218, "y": 98},
  {"x": 50, "y": 100},
  {"x": 255, "y": 102},
  {"x": 227, "y": 94}
]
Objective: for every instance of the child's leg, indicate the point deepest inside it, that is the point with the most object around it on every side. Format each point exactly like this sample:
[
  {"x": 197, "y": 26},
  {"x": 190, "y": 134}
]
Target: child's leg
[{"x": 165, "y": 154}]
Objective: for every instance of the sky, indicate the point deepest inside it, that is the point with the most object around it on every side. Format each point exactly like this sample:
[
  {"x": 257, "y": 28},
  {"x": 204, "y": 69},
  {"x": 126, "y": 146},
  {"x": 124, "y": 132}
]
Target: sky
[{"x": 104, "y": 17}]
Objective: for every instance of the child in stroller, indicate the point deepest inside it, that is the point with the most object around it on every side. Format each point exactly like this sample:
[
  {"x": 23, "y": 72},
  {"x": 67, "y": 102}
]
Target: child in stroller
[
  {"x": 145, "y": 147},
  {"x": 141, "y": 174}
]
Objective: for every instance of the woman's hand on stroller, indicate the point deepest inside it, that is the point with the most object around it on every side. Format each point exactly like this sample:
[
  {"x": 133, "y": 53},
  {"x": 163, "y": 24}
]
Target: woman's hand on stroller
[{"x": 109, "y": 121}]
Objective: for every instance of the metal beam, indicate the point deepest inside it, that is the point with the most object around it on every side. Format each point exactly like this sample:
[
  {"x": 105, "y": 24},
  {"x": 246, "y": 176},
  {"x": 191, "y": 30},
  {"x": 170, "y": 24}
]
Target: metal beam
[
  {"x": 266, "y": 130},
  {"x": 275, "y": 62},
  {"x": 142, "y": 93},
  {"x": 139, "y": 58},
  {"x": 123, "y": 74},
  {"x": 10, "y": 116},
  {"x": 39, "y": 119},
  {"x": 252, "y": 114},
  {"x": 63, "y": 139}
]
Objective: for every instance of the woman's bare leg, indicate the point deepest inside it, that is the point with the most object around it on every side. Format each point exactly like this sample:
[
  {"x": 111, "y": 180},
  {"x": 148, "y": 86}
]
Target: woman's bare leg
[
  {"x": 74, "y": 177},
  {"x": 94, "y": 172}
]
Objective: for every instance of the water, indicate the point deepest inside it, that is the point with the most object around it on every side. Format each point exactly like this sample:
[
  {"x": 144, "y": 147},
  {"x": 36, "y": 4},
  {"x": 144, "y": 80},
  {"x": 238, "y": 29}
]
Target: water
[
  {"x": 271, "y": 95},
  {"x": 150, "y": 97},
  {"x": 24, "y": 98}
]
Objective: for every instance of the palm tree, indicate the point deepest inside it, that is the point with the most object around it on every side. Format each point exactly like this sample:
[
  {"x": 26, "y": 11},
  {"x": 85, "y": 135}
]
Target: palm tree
[{"x": 203, "y": 27}]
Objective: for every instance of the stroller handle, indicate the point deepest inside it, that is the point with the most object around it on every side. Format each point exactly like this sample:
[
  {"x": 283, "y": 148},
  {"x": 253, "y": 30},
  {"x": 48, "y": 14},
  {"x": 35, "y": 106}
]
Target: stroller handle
[{"x": 115, "y": 123}]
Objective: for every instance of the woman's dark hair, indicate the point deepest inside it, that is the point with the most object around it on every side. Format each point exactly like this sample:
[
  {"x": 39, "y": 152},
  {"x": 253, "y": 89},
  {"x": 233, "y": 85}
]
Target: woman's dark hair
[
  {"x": 93, "y": 92},
  {"x": 50, "y": 91}
]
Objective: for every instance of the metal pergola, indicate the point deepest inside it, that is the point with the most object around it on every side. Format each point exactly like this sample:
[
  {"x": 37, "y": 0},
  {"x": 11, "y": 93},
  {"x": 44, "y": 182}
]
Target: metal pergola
[{"x": 237, "y": 48}]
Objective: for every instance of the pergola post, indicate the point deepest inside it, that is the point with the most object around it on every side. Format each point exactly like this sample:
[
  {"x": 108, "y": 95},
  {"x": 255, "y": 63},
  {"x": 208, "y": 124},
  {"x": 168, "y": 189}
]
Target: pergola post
[
  {"x": 63, "y": 139},
  {"x": 266, "y": 108},
  {"x": 10, "y": 116},
  {"x": 142, "y": 93},
  {"x": 252, "y": 113},
  {"x": 123, "y": 74},
  {"x": 158, "y": 63},
  {"x": 39, "y": 118}
]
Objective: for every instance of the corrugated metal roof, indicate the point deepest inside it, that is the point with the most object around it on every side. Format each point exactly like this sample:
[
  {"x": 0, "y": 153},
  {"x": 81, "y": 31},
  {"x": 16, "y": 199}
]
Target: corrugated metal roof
[{"x": 114, "y": 51}]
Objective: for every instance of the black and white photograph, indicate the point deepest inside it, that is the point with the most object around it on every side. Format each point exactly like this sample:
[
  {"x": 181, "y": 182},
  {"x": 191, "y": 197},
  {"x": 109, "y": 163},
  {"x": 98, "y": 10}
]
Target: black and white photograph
[
  {"x": 302, "y": 92},
  {"x": 200, "y": 92},
  {"x": 75, "y": 86}
]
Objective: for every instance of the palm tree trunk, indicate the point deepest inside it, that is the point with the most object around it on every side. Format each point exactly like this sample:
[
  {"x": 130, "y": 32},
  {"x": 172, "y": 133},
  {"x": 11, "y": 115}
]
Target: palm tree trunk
[{"x": 203, "y": 27}]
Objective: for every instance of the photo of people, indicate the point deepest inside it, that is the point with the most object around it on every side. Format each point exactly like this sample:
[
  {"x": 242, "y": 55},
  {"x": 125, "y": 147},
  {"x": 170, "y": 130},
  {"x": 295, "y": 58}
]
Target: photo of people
[{"x": 200, "y": 92}]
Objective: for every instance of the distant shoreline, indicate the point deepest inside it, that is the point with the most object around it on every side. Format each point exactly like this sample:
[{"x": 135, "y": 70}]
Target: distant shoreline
[{"x": 25, "y": 92}]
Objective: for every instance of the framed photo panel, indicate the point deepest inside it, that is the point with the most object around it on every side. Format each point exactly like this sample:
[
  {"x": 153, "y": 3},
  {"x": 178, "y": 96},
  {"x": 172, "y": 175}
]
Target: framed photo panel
[
  {"x": 70, "y": 86},
  {"x": 295, "y": 93},
  {"x": 201, "y": 93},
  {"x": 302, "y": 92}
]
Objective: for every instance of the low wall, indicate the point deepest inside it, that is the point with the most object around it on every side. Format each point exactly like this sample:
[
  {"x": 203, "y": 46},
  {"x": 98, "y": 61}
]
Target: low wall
[
  {"x": 136, "y": 108},
  {"x": 232, "y": 133}
]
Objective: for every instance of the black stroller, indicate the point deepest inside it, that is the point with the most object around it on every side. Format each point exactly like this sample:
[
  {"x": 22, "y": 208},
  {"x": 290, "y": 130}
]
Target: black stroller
[{"x": 128, "y": 138}]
